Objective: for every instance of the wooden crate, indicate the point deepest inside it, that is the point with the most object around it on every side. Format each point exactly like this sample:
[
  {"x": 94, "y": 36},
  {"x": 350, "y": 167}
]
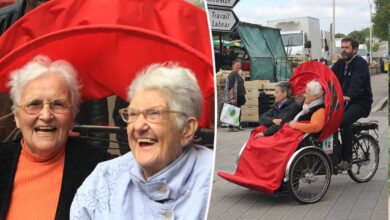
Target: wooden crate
[
  {"x": 252, "y": 100},
  {"x": 252, "y": 94},
  {"x": 245, "y": 74},
  {"x": 249, "y": 113},
  {"x": 269, "y": 86}
]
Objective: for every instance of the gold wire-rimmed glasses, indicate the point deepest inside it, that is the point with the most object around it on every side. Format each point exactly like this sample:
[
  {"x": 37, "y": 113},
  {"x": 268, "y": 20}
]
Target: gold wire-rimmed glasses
[
  {"x": 153, "y": 114},
  {"x": 35, "y": 107}
]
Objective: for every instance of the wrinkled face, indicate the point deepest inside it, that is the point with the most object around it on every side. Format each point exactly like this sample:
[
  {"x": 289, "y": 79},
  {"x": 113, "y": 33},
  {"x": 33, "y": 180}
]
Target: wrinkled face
[
  {"x": 309, "y": 97},
  {"x": 346, "y": 50},
  {"x": 279, "y": 95},
  {"x": 154, "y": 145},
  {"x": 236, "y": 67},
  {"x": 44, "y": 133}
]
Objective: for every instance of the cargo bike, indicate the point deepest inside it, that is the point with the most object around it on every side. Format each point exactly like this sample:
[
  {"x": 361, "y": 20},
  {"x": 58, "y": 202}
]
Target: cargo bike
[{"x": 306, "y": 172}]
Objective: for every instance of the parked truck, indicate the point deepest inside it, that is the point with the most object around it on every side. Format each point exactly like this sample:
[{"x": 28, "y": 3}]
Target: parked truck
[{"x": 302, "y": 37}]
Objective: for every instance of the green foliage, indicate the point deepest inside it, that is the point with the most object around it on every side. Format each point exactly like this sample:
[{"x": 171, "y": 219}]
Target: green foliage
[
  {"x": 339, "y": 35},
  {"x": 366, "y": 32},
  {"x": 381, "y": 18},
  {"x": 374, "y": 48},
  {"x": 358, "y": 35}
]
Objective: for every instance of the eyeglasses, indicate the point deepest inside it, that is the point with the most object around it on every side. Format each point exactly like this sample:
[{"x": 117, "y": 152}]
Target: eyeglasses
[
  {"x": 152, "y": 115},
  {"x": 36, "y": 106}
]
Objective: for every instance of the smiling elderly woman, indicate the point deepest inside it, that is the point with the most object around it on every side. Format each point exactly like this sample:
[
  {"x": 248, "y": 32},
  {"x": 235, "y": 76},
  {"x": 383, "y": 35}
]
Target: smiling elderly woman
[
  {"x": 164, "y": 175},
  {"x": 313, "y": 110},
  {"x": 41, "y": 172}
]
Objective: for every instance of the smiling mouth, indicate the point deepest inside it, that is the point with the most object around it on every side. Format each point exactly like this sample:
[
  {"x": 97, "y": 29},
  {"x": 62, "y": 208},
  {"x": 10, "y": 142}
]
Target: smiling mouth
[
  {"x": 143, "y": 142},
  {"x": 45, "y": 129}
]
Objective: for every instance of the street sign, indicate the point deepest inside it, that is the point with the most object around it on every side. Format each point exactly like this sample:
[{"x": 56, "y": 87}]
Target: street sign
[
  {"x": 222, "y": 19},
  {"x": 222, "y": 3}
]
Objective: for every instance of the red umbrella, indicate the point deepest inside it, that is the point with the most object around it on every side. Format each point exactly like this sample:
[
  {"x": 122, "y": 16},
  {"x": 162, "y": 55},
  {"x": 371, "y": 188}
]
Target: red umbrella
[
  {"x": 333, "y": 93},
  {"x": 109, "y": 50}
]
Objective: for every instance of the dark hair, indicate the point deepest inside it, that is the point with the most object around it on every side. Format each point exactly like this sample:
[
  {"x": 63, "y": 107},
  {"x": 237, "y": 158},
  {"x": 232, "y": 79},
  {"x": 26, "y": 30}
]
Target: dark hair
[
  {"x": 354, "y": 42},
  {"x": 284, "y": 86},
  {"x": 235, "y": 61}
]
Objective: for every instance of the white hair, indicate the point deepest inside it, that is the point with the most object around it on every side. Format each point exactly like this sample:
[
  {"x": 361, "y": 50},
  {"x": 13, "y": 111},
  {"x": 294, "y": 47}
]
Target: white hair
[
  {"x": 177, "y": 83},
  {"x": 315, "y": 88},
  {"x": 39, "y": 66}
]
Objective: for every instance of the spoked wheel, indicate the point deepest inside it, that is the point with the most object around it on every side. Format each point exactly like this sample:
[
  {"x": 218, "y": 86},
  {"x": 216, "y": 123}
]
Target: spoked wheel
[
  {"x": 309, "y": 176},
  {"x": 365, "y": 159}
]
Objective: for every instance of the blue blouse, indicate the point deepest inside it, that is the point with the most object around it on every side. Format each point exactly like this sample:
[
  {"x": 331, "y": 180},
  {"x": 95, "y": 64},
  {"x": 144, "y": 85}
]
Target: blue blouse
[{"x": 116, "y": 189}]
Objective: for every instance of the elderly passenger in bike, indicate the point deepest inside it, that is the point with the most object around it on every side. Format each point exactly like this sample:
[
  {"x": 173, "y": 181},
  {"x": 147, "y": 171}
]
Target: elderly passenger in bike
[
  {"x": 41, "y": 172},
  {"x": 313, "y": 110},
  {"x": 165, "y": 175},
  {"x": 283, "y": 110}
]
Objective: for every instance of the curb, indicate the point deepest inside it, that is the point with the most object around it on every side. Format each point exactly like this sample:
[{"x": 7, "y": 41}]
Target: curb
[{"x": 381, "y": 105}]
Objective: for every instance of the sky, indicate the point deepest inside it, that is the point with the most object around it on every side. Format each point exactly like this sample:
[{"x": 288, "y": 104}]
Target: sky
[{"x": 350, "y": 14}]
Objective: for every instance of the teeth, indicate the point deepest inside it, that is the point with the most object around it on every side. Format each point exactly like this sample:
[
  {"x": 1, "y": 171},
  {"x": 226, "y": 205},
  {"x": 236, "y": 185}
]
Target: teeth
[
  {"x": 146, "y": 140},
  {"x": 45, "y": 128}
]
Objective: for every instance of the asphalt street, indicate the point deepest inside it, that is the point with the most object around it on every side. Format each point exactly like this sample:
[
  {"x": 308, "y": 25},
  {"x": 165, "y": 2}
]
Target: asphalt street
[{"x": 345, "y": 199}]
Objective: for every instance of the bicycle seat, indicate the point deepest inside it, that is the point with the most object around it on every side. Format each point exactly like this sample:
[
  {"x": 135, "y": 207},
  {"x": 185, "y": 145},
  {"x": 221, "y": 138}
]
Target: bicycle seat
[{"x": 363, "y": 126}]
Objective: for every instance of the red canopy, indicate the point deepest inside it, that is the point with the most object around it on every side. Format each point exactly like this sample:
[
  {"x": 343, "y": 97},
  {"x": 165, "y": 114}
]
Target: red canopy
[
  {"x": 4, "y": 3},
  {"x": 333, "y": 94},
  {"x": 108, "y": 42}
]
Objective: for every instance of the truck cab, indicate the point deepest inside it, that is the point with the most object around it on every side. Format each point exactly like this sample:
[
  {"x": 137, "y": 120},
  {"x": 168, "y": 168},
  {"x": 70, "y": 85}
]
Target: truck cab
[{"x": 296, "y": 43}]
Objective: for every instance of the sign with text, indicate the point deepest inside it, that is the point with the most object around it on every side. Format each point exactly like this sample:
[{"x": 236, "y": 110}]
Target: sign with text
[
  {"x": 222, "y": 19},
  {"x": 222, "y": 3}
]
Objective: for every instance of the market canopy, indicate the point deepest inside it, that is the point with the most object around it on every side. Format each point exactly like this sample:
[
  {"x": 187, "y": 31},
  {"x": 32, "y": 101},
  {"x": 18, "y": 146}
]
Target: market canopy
[
  {"x": 268, "y": 59},
  {"x": 227, "y": 43}
]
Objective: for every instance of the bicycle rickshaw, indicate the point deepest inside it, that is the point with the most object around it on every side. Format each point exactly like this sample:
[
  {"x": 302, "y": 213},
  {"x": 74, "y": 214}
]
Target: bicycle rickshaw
[{"x": 303, "y": 163}]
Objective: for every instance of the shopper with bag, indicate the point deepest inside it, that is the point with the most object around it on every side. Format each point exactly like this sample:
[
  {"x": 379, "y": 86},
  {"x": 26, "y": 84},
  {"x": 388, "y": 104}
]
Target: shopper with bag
[{"x": 236, "y": 89}]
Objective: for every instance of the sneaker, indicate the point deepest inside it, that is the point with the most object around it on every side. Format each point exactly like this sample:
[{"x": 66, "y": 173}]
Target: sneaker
[{"x": 344, "y": 165}]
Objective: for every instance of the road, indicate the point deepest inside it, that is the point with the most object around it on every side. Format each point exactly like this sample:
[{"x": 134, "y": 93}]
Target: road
[{"x": 345, "y": 199}]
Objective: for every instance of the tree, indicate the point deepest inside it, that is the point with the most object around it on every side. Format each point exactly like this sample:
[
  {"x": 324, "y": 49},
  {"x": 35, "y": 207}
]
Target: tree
[
  {"x": 358, "y": 35},
  {"x": 381, "y": 18},
  {"x": 366, "y": 32},
  {"x": 339, "y": 35},
  {"x": 375, "y": 46}
]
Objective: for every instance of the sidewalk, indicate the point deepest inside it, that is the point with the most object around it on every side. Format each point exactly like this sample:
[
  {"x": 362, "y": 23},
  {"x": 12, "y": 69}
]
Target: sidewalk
[{"x": 345, "y": 199}]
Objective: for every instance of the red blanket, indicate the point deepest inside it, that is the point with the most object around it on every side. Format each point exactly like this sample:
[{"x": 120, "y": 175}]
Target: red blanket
[{"x": 264, "y": 160}]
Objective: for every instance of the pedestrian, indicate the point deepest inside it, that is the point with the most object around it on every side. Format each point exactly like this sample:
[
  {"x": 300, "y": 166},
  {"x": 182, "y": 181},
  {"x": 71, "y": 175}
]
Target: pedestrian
[{"x": 236, "y": 88}]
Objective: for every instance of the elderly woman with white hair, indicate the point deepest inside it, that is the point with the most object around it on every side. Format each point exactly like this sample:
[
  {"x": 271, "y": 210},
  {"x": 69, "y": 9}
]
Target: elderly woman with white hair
[
  {"x": 165, "y": 176},
  {"x": 40, "y": 173},
  {"x": 313, "y": 110}
]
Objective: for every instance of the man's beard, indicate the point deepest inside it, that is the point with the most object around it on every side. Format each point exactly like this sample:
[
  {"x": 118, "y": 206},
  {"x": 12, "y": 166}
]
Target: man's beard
[{"x": 347, "y": 56}]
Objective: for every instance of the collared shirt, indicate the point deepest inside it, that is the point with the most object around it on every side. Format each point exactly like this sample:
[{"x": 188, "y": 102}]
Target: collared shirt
[
  {"x": 281, "y": 103},
  {"x": 116, "y": 189}
]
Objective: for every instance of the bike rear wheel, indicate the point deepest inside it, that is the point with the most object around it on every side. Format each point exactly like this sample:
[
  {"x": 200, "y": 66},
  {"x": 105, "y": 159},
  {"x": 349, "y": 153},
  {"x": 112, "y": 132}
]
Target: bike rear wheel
[{"x": 365, "y": 159}]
